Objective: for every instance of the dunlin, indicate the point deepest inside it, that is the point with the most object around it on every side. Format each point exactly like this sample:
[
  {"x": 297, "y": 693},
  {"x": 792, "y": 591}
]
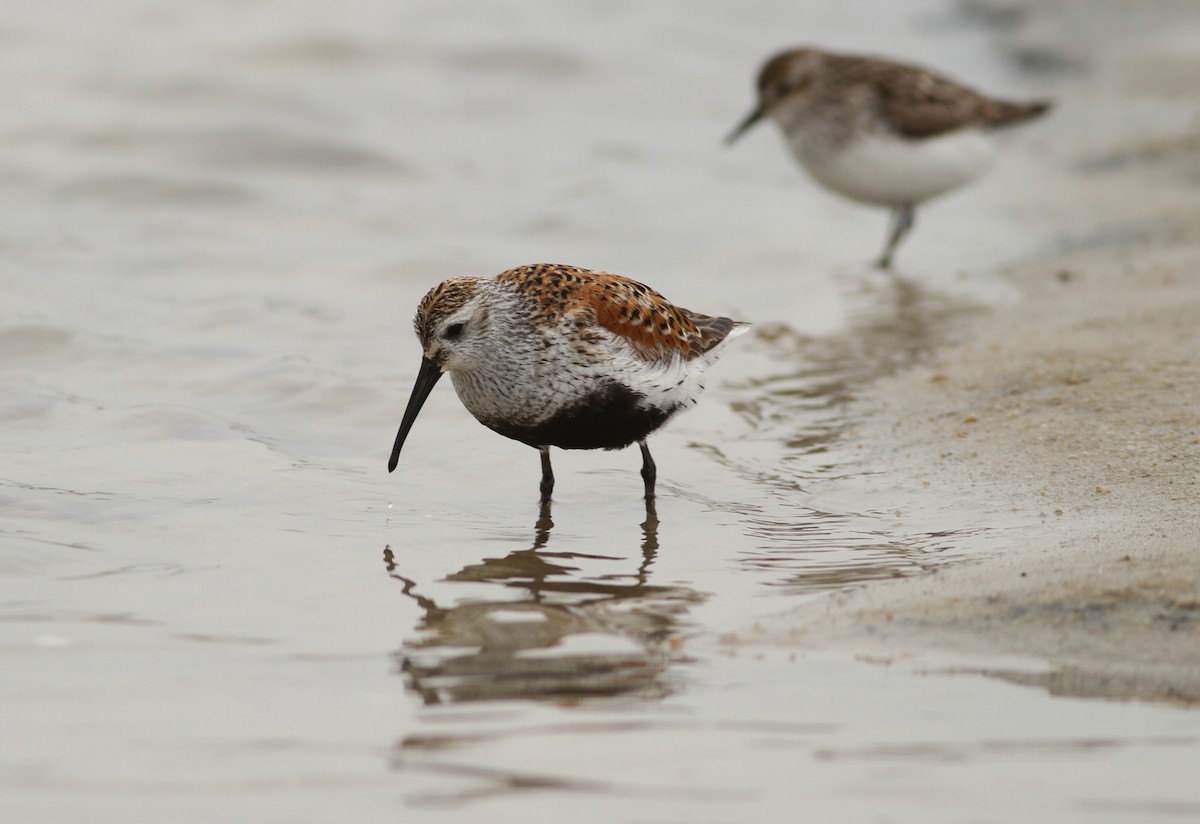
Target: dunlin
[
  {"x": 884, "y": 133},
  {"x": 553, "y": 355}
]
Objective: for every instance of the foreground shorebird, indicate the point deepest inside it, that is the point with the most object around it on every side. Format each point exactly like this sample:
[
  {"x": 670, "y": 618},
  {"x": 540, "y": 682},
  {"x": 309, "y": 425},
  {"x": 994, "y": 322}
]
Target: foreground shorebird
[
  {"x": 884, "y": 133},
  {"x": 553, "y": 355}
]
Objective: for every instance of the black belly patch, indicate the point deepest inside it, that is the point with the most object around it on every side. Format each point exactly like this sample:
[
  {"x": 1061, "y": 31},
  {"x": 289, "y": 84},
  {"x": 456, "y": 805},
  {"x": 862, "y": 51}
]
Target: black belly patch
[{"x": 610, "y": 418}]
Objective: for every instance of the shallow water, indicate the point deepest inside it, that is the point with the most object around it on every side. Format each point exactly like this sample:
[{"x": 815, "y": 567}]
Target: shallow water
[{"x": 218, "y": 605}]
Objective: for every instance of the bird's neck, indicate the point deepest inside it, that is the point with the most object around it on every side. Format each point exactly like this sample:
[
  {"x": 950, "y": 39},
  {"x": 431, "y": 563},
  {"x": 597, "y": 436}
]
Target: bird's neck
[{"x": 500, "y": 386}]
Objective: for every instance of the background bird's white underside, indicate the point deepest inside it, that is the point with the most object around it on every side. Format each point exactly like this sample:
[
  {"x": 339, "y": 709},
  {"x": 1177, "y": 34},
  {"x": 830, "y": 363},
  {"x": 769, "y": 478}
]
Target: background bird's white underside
[{"x": 887, "y": 170}]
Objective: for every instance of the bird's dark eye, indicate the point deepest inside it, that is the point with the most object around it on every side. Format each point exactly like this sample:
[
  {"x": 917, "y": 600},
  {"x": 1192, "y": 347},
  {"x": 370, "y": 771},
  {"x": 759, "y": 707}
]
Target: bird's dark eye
[{"x": 454, "y": 331}]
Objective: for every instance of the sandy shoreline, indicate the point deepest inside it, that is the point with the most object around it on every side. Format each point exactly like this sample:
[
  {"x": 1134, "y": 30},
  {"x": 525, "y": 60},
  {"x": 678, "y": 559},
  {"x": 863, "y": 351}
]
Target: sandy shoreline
[
  {"x": 1069, "y": 424},
  {"x": 1073, "y": 420}
]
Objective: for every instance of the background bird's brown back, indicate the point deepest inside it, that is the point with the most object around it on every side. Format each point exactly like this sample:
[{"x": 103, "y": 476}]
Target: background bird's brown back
[{"x": 918, "y": 103}]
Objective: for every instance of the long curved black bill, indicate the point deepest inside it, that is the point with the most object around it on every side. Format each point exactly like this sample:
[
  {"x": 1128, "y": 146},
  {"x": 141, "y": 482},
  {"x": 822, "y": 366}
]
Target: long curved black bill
[
  {"x": 426, "y": 378},
  {"x": 750, "y": 120}
]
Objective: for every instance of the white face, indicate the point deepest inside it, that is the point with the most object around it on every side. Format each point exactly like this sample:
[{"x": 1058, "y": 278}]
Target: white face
[{"x": 459, "y": 343}]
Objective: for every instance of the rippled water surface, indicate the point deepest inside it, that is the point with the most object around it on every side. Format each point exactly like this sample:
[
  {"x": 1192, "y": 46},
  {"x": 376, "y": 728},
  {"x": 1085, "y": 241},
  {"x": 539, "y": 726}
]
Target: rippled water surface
[{"x": 216, "y": 603}]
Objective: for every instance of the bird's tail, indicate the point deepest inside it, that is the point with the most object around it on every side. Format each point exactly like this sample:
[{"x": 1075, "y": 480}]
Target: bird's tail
[
  {"x": 1007, "y": 113},
  {"x": 716, "y": 331}
]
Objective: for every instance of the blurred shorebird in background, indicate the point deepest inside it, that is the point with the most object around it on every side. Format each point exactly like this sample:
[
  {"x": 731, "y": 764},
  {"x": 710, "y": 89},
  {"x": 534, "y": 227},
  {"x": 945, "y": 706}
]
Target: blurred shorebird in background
[{"x": 884, "y": 133}]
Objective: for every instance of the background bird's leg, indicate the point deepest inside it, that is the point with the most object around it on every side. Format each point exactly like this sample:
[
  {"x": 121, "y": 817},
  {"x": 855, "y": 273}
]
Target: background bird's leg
[
  {"x": 547, "y": 486},
  {"x": 649, "y": 470},
  {"x": 902, "y": 222}
]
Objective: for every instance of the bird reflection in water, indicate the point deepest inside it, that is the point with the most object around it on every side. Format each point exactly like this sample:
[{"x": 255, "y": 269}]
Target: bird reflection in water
[{"x": 569, "y": 635}]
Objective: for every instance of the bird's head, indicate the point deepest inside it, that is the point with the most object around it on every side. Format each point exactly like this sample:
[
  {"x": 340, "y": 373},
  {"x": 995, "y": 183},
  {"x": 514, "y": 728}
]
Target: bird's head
[{"x": 786, "y": 79}]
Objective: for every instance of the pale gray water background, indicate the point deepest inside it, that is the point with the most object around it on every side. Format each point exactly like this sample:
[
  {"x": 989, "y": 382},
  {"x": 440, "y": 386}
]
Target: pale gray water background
[{"x": 215, "y": 604}]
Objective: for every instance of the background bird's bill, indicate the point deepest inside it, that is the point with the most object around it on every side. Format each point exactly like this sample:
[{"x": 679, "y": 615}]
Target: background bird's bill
[
  {"x": 426, "y": 378},
  {"x": 750, "y": 120}
]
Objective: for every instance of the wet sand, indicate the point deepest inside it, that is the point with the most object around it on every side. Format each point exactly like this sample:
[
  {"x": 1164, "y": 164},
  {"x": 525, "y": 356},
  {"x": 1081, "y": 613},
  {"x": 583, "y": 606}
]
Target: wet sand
[
  {"x": 1068, "y": 425},
  {"x": 1071, "y": 420}
]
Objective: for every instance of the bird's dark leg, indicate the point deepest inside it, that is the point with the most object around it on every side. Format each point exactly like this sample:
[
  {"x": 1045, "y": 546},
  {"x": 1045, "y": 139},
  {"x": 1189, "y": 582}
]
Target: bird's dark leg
[
  {"x": 649, "y": 470},
  {"x": 547, "y": 486},
  {"x": 903, "y": 219}
]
